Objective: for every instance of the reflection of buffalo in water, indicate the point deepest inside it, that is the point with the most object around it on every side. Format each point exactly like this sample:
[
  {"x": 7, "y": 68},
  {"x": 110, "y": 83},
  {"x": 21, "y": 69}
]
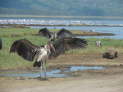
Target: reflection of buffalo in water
[
  {"x": 0, "y": 43},
  {"x": 110, "y": 54}
]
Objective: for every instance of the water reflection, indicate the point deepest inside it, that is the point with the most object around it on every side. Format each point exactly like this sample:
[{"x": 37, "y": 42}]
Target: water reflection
[{"x": 57, "y": 73}]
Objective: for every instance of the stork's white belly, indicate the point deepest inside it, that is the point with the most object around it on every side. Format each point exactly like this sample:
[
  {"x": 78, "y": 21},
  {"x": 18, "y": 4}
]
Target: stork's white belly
[{"x": 43, "y": 55}]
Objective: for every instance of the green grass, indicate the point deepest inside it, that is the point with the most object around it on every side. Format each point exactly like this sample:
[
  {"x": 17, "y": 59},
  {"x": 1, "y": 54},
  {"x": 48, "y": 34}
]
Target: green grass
[
  {"x": 7, "y": 60},
  {"x": 8, "y": 32},
  {"x": 13, "y": 61},
  {"x": 106, "y": 44}
]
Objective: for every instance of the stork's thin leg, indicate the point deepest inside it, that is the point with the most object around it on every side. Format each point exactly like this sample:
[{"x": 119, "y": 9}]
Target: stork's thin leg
[
  {"x": 45, "y": 70},
  {"x": 41, "y": 70}
]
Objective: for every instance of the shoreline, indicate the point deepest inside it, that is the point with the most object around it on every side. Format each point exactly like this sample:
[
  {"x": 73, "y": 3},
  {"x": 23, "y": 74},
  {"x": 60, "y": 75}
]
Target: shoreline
[
  {"x": 29, "y": 25},
  {"x": 75, "y": 32},
  {"x": 44, "y": 16}
]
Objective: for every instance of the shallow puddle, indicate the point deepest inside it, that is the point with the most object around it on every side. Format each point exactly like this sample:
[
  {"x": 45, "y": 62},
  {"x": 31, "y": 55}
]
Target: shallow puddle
[{"x": 57, "y": 73}]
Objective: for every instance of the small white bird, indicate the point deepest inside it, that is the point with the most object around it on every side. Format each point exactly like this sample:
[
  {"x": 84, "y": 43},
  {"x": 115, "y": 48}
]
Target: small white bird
[{"x": 98, "y": 43}]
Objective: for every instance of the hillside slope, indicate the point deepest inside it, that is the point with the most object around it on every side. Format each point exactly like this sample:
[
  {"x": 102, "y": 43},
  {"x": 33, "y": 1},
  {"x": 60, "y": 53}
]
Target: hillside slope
[{"x": 63, "y": 7}]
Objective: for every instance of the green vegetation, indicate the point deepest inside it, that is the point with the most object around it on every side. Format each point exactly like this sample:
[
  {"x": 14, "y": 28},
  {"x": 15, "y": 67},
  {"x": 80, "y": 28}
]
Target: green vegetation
[
  {"x": 16, "y": 31},
  {"x": 62, "y": 7},
  {"x": 106, "y": 44},
  {"x": 11, "y": 61},
  {"x": 8, "y": 60}
]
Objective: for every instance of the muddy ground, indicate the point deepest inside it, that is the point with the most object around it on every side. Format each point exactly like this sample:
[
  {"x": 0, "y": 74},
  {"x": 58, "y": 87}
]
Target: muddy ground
[{"x": 107, "y": 80}]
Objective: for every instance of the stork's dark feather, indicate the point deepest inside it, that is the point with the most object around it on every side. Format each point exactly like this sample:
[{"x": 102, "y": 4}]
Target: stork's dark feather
[
  {"x": 0, "y": 43},
  {"x": 64, "y": 44},
  {"x": 64, "y": 33},
  {"x": 27, "y": 50},
  {"x": 24, "y": 48},
  {"x": 44, "y": 32}
]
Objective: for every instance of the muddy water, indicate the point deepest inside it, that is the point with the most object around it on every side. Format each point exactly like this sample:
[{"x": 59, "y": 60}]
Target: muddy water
[{"x": 57, "y": 73}]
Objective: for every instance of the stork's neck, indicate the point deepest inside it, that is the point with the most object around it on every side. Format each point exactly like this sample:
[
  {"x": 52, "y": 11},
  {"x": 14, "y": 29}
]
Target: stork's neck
[
  {"x": 47, "y": 48},
  {"x": 53, "y": 36}
]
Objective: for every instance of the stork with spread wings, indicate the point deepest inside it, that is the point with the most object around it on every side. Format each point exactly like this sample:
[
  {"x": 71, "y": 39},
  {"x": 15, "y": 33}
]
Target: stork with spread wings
[
  {"x": 40, "y": 54},
  {"x": 63, "y": 33},
  {"x": 65, "y": 44}
]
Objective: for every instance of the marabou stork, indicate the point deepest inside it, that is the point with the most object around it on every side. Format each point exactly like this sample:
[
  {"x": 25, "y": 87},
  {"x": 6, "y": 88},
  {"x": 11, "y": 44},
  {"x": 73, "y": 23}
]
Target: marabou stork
[
  {"x": 40, "y": 54},
  {"x": 63, "y": 33}
]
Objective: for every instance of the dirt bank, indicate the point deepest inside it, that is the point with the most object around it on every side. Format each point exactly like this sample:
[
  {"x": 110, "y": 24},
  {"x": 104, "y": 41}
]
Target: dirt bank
[
  {"x": 107, "y": 80},
  {"x": 86, "y": 82}
]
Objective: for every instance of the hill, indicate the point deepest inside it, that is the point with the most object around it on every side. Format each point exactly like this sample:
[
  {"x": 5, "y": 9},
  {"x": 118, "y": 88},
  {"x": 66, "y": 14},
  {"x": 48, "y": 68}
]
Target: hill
[{"x": 62, "y": 7}]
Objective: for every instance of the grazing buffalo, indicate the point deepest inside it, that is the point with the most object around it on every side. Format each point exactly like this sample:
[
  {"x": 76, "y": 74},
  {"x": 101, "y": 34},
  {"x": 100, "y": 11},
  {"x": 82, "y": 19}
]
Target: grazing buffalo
[{"x": 110, "y": 54}]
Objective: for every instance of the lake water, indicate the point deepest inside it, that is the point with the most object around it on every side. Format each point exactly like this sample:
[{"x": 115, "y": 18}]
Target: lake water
[
  {"x": 57, "y": 73},
  {"x": 113, "y": 25},
  {"x": 118, "y": 31}
]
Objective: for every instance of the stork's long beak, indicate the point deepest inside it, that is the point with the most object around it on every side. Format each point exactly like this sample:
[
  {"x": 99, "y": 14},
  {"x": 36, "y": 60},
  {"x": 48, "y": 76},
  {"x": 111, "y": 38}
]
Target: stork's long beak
[{"x": 53, "y": 48}]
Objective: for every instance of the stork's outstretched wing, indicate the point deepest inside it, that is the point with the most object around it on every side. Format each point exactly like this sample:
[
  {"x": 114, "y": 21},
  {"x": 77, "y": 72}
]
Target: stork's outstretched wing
[
  {"x": 64, "y": 33},
  {"x": 0, "y": 43},
  {"x": 24, "y": 48},
  {"x": 44, "y": 32},
  {"x": 64, "y": 44}
]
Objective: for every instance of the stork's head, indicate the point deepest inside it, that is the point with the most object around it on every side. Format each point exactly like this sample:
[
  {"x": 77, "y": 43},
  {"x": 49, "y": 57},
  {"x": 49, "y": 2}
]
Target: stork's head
[
  {"x": 50, "y": 47},
  {"x": 53, "y": 36}
]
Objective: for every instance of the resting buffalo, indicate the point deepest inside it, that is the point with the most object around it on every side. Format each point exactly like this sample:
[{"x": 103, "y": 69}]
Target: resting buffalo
[{"x": 110, "y": 54}]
